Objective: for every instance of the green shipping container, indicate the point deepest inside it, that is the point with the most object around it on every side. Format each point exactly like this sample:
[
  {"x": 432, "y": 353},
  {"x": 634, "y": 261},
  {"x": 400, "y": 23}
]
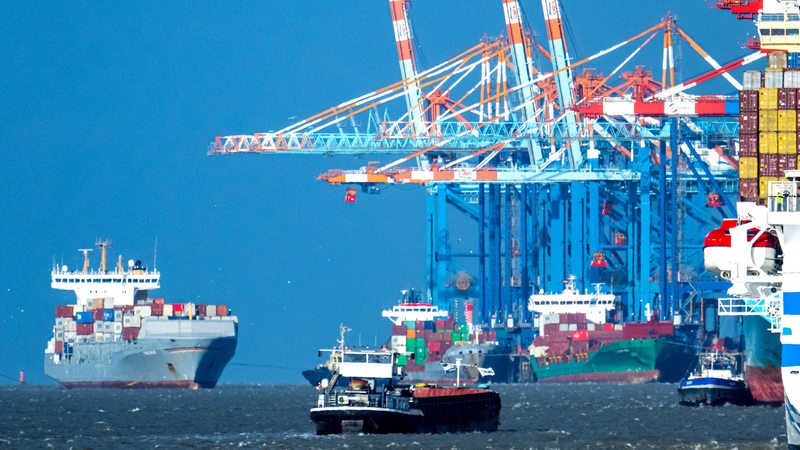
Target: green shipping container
[
  {"x": 411, "y": 344},
  {"x": 402, "y": 360}
]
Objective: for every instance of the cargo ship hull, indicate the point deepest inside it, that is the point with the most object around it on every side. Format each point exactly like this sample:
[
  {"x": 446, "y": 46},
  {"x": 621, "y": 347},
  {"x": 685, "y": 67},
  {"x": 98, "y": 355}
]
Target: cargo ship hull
[
  {"x": 762, "y": 364},
  {"x": 168, "y": 353},
  {"x": 628, "y": 361}
]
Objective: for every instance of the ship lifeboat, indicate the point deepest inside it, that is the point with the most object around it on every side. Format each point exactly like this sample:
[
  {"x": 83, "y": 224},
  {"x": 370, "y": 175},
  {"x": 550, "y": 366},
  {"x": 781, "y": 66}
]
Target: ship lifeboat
[{"x": 718, "y": 255}]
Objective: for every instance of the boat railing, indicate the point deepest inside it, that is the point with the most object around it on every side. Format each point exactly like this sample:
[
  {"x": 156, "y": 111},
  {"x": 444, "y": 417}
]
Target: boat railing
[{"x": 768, "y": 308}]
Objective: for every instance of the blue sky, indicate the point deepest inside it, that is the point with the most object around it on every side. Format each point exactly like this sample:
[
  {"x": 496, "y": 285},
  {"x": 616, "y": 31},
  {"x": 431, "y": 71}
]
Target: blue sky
[{"x": 108, "y": 110}]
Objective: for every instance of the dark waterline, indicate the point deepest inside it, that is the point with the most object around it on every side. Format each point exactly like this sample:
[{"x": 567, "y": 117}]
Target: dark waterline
[{"x": 588, "y": 416}]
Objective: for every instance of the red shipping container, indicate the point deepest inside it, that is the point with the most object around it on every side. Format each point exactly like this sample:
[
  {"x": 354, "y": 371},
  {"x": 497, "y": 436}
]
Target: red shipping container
[
  {"x": 748, "y": 144},
  {"x": 201, "y": 310},
  {"x": 768, "y": 165},
  {"x": 157, "y": 309},
  {"x": 748, "y": 189},
  {"x": 84, "y": 329},
  {"x": 222, "y": 310},
  {"x": 158, "y": 301},
  {"x": 748, "y": 100},
  {"x": 177, "y": 308},
  {"x": 580, "y": 335},
  {"x": 787, "y": 162},
  {"x": 787, "y": 98},
  {"x": 64, "y": 311},
  {"x": 399, "y": 330},
  {"x": 98, "y": 314},
  {"x": 130, "y": 333},
  {"x": 434, "y": 346},
  {"x": 59, "y": 347}
]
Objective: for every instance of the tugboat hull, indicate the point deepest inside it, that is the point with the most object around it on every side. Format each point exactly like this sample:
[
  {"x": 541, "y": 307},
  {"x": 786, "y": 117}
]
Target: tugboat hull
[{"x": 714, "y": 392}]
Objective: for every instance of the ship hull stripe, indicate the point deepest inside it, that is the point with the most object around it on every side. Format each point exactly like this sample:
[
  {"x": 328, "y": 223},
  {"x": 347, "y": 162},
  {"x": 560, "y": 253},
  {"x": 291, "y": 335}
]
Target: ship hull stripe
[
  {"x": 790, "y": 355},
  {"x": 791, "y": 303}
]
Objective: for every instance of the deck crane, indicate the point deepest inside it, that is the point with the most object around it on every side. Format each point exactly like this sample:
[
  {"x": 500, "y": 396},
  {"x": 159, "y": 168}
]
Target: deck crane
[{"x": 482, "y": 160}]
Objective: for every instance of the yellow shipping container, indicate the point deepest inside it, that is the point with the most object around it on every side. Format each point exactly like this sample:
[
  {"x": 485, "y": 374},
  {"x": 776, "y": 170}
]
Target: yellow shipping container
[
  {"x": 763, "y": 186},
  {"x": 787, "y": 120},
  {"x": 768, "y": 98},
  {"x": 767, "y": 142},
  {"x": 787, "y": 142},
  {"x": 748, "y": 167},
  {"x": 768, "y": 120}
]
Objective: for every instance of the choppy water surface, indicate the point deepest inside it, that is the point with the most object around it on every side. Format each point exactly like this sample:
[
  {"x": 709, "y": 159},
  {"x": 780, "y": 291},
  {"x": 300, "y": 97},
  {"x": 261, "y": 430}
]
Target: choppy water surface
[{"x": 276, "y": 416}]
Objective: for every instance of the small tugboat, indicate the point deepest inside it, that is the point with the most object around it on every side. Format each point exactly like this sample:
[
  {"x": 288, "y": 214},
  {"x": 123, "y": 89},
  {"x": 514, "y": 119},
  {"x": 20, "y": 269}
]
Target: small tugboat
[
  {"x": 716, "y": 380},
  {"x": 376, "y": 401}
]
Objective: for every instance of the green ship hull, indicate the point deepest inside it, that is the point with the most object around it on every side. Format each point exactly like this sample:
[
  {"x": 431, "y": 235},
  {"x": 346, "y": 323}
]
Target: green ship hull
[{"x": 625, "y": 361}]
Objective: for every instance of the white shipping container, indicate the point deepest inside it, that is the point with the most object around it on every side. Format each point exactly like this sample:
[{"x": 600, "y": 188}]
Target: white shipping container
[
  {"x": 563, "y": 327},
  {"x": 617, "y": 327},
  {"x": 70, "y": 326},
  {"x": 590, "y": 326},
  {"x": 773, "y": 79},
  {"x": 117, "y": 328},
  {"x": 752, "y": 80},
  {"x": 167, "y": 312},
  {"x": 142, "y": 310},
  {"x": 131, "y": 321},
  {"x": 108, "y": 327},
  {"x": 117, "y": 315},
  {"x": 573, "y": 327},
  {"x": 211, "y": 310},
  {"x": 59, "y": 335},
  {"x": 98, "y": 327},
  {"x": 69, "y": 336}
]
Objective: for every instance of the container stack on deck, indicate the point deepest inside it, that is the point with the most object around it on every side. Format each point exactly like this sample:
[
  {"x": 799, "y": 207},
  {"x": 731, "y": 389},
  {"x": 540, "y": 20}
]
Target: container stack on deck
[
  {"x": 570, "y": 336},
  {"x": 428, "y": 340},
  {"x": 767, "y": 127},
  {"x": 97, "y": 323}
]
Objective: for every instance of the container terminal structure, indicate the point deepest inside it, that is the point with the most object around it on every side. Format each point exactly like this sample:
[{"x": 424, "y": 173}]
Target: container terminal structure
[{"x": 560, "y": 172}]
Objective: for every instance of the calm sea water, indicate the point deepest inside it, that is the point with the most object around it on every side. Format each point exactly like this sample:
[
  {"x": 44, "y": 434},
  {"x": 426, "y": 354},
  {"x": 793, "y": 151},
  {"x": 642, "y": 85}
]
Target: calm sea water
[{"x": 587, "y": 416}]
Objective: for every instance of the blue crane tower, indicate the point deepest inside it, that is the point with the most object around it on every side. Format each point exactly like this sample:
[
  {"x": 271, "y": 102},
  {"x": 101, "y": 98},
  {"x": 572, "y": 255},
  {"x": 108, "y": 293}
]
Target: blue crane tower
[{"x": 557, "y": 174}]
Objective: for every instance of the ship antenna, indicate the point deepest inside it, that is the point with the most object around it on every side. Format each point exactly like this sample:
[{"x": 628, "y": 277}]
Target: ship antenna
[
  {"x": 155, "y": 254},
  {"x": 85, "y": 258}
]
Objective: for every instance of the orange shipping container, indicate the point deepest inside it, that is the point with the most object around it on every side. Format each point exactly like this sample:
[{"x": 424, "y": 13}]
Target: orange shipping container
[
  {"x": 222, "y": 310},
  {"x": 411, "y": 333},
  {"x": 787, "y": 120},
  {"x": 748, "y": 167},
  {"x": 767, "y": 142},
  {"x": 787, "y": 142},
  {"x": 763, "y": 185},
  {"x": 768, "y": 98},
  {"x": 768, "y": 120}
]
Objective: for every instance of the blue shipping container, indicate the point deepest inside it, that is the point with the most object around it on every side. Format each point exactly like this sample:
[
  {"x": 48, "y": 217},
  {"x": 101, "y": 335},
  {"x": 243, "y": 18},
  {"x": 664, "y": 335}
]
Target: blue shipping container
[
  {"x": 108, "y": 315},
  {"x": 84, "y": 317}
]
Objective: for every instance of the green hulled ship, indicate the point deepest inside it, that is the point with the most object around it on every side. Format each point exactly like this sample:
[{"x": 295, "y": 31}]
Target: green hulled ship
[{"x": 575, "y": 342}]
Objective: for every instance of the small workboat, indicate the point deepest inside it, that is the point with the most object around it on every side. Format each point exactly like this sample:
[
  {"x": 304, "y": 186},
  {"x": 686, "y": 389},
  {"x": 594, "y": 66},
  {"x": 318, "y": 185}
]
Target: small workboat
[{"x": 716, "y": 380}]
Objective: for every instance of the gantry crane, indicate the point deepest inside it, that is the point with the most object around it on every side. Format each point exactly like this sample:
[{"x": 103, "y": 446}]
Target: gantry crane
[{"x": 556, "y": 183}]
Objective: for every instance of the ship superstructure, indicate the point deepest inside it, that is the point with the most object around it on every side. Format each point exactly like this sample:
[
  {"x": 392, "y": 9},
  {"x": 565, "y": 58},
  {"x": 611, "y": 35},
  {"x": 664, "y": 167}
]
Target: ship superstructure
[{"x": 115, "y": 335}]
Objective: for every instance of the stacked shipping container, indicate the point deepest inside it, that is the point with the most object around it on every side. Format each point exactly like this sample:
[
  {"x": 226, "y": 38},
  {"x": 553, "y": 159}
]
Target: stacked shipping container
[
  {"x": 571, "y": 336},
  {"x": 424, "y": 341},
  {"x": 768, "y": 140},
  {"x": 107, "y": 323}
]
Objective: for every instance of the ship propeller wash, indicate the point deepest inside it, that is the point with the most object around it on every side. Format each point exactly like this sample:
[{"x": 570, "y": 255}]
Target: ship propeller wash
[{"x": 115, "y": 335}]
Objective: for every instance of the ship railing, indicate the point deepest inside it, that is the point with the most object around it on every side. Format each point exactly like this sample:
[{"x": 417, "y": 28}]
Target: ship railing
[{"x": 768, "y": 308}]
